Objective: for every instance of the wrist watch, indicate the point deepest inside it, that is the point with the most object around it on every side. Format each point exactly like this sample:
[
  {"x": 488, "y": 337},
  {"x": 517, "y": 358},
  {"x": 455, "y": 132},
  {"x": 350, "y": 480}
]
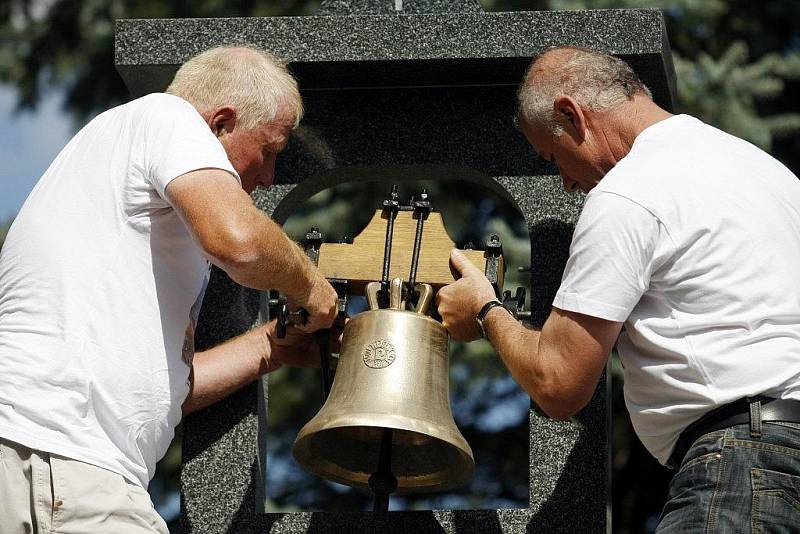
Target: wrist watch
[{"x": 482, "y": 315}]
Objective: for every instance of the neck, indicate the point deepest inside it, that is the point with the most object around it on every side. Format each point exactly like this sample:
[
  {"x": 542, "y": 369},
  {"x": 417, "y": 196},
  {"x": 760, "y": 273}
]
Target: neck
[{"x": 627, "y": 121}]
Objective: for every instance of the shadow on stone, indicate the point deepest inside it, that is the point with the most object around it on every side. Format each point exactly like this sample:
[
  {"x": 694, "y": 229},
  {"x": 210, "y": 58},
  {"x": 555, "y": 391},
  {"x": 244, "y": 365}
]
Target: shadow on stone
[
  {"x": 550, "y": 240},
  {"x": 245, "y": 519},
  {"x": 476, "y": 522},
  {"x": 578, "y": 500}
]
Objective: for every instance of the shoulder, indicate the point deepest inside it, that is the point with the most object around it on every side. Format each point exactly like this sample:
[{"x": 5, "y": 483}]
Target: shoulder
[
  {"x": 609, "y": 215},
  {"x": 164, "y": 107},
  {"x": 657, "y": 164},
  {"x": 165, "y": 115},
  {"x": 165, "y": 100}
]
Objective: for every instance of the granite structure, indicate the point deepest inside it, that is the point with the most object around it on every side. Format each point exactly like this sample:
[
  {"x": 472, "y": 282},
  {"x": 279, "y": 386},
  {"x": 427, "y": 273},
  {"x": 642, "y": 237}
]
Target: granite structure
[{"x": 401, "y": 90}]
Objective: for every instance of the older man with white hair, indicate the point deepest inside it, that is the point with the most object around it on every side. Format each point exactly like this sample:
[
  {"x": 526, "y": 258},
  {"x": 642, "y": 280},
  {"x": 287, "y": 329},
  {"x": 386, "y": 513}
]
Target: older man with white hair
[
  {"x": 685, "y": 255},
  {"x": 101, "y": 280}
]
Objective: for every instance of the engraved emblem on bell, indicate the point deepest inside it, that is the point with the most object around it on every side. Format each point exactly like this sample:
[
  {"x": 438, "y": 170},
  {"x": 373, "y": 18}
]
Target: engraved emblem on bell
[{"x": 379, "y": 354}]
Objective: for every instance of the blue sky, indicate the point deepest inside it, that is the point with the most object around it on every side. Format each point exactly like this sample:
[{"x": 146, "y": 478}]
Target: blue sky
[{"x": 29, "y": 141}]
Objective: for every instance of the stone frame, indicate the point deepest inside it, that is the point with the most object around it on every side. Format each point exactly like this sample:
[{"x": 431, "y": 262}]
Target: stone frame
[{"x": 417, "y": 75}]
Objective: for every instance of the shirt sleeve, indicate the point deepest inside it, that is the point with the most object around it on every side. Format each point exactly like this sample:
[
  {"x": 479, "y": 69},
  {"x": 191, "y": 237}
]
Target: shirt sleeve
[
  {"x": 611, "y": 258},
  {"x": 177, "y": 141}
]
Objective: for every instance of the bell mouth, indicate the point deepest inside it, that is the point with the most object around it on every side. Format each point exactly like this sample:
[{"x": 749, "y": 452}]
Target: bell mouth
[{"x": 348, "y": 453}]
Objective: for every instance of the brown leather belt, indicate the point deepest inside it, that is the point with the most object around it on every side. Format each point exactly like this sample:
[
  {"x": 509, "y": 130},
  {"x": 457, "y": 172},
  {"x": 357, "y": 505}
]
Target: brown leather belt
[{"x": 751, "y": 410}]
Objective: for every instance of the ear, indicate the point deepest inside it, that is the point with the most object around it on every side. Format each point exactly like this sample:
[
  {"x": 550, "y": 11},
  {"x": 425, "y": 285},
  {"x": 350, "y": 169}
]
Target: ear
[
  {"x": 222, "y": 120},
  {"x": 574, "y": 115}
]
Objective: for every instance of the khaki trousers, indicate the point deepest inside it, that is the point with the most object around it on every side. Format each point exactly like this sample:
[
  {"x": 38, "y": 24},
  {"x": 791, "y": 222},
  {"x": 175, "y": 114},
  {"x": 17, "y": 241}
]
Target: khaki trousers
[{"x": 44, "y": 493}]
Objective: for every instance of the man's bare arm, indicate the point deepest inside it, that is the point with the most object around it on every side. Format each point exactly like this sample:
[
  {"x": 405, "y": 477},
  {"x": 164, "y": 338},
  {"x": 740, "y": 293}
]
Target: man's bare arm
[
  {"x": 219, "y": 371},
  {"x": 559, "y": 367},
  {"x": 248, "y": 245}
]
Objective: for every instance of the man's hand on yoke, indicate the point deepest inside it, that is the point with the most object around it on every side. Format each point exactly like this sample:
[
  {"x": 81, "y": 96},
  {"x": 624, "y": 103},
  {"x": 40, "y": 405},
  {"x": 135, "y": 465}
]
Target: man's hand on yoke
[
  {"x": 461, "y": 301},
  {"x": 320, "y": 301}
]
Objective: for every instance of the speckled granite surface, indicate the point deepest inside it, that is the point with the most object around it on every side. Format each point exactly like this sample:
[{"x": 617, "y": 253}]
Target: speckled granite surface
[
  {"x": 390, "y": 96},
  {"x": 396, "y": 7},
  {"x": 392, "y": 50}
]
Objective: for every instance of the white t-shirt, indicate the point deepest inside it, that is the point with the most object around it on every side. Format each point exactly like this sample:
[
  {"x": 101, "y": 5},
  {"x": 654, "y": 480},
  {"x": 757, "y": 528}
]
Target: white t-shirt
[
  {"x": 100, "y": 286},
  {"x": 693, "y": 240}
]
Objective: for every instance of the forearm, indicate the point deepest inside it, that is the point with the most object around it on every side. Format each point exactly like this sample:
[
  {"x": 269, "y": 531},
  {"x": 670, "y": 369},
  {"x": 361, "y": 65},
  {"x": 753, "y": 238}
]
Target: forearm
[
  {"x": 268, "y": 259},
  {"x": 237, "y": 236},
  {"x": 559, "y": 367},
  {"x": 219, "y": 371},
  {"x": 518, "y": 348},
  {"x": 558, "y": 384}
]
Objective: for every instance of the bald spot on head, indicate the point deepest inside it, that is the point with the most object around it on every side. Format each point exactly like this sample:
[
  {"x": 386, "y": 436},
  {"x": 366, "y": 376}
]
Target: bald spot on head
[
  {"x": 596, "y": 80},
  {"x": 547, "y": 63}
]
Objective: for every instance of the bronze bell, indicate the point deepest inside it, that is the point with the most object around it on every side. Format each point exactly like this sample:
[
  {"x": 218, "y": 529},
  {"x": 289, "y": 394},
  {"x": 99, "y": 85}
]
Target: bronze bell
[{"x": 393, "y": 373}]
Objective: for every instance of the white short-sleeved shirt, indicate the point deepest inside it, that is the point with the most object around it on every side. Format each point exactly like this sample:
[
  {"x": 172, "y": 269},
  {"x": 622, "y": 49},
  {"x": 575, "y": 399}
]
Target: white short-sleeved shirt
[
  {"x": 100, "y": 286},
  {"x": 693, "y": 240}
]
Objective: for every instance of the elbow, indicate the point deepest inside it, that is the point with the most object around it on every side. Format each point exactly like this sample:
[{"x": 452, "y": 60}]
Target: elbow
[
  {"x": 234, "y": 251},
  {"x": 560, "y": 403},
  {"x": 559, "y": 413}
]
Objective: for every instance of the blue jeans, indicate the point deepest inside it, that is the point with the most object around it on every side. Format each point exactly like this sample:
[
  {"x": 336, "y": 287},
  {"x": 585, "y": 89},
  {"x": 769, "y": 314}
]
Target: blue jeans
[{"x": 730, "y": 482}]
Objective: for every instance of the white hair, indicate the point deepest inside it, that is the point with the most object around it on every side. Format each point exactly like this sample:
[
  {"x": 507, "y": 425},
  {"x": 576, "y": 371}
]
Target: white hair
[
  {"x": 254, "y": 82},
  {"x": 596, "y": 80}
]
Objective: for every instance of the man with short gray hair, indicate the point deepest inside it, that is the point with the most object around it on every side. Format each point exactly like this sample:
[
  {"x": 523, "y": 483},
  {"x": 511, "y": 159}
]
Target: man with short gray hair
[
  {"x": 685, "y": 255},
  {"x": 101, "y": 280}
]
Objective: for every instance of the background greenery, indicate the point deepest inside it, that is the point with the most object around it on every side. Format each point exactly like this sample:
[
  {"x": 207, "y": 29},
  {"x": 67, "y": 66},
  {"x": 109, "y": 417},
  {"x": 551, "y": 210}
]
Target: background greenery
[{"x": 738, "y": 65}]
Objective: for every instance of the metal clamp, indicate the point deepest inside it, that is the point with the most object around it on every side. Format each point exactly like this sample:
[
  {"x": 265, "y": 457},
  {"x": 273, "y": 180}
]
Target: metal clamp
[{"x": 494, "y": 251}]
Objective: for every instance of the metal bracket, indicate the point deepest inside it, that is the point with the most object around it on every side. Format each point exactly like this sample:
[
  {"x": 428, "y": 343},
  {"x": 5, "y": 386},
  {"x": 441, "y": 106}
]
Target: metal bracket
[
  {"x": 494, "y": 251},
  {"x": 313, "y": 244},
  {"x": 422, "y": 208},
  {"x": 391, "y": 206},
  {"x": 516, "y": 304}
]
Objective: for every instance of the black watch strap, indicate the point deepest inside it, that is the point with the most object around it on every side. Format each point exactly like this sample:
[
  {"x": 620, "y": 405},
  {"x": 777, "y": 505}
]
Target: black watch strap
[
  {"x": 486, "y": 307},
  {"x": 482, "y": 315}
]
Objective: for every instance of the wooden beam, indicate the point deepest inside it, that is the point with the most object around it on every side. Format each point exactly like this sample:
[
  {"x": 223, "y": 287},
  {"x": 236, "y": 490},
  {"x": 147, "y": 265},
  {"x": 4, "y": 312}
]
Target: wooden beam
[{"x": 362, "y": 261}]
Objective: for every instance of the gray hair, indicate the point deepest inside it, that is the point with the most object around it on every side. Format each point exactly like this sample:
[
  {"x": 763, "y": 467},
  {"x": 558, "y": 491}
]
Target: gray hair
[
  {"x": 254, "y": 82},
  {"x": 596, "y": 80}
]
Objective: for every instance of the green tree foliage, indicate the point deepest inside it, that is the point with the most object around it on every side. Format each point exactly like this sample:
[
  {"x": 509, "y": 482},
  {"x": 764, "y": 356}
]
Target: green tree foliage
[
  {"x": 69, "y": 45},
  {"x": 738, "y": 85}
]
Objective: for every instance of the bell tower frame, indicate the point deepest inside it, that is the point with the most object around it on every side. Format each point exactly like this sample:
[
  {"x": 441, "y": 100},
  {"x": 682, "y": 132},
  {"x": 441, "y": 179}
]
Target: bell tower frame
[{"x": 392, "y": 94}]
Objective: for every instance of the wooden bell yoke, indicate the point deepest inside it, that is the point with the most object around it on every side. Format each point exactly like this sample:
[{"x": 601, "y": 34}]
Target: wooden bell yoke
[{"x": 363, "y": 261}]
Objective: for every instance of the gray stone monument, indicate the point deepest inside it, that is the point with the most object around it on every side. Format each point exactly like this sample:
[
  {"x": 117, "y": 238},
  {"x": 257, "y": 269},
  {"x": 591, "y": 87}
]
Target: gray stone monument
[{"x": 401, "y": 90}]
